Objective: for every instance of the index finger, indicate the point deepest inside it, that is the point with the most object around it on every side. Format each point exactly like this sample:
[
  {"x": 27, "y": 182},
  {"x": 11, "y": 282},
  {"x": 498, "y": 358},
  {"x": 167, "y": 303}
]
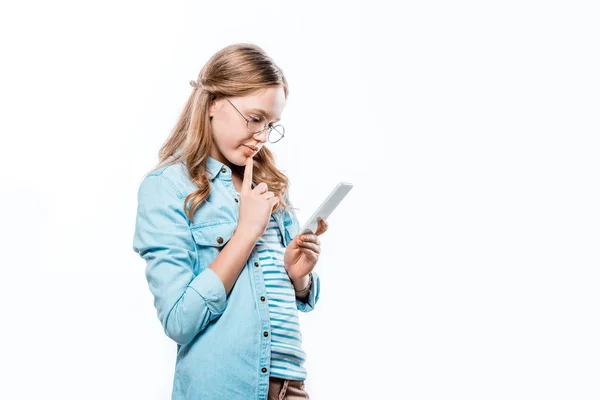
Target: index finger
[{"x": 247, "y": 182}]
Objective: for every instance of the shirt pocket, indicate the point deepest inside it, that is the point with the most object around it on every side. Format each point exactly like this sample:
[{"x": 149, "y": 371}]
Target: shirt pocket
[{"x": 210, "y": 238}]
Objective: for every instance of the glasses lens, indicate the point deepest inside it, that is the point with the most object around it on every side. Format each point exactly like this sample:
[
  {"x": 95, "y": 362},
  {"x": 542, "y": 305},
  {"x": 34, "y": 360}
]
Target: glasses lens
[
  {"x": 256, "y": 124},
  {"x": 276, "y": 133}
]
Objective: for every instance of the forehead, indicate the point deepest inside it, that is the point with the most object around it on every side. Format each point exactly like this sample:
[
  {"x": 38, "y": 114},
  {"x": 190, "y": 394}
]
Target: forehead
[{"x": 270, "y": 101}]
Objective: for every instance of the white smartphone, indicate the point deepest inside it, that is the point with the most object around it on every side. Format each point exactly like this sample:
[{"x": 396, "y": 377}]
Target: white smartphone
[{"x": 327, "y": 206}]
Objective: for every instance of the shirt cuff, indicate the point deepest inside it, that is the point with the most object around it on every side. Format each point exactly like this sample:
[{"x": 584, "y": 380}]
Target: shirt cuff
[
  {"x": 313, "y": 295},
  {"x": 210, "y": 287}
]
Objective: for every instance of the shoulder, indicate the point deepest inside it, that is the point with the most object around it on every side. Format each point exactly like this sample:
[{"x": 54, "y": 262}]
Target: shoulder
[
  {"x": 165, "y": 189},
  {"x": 173, "y": 179}
]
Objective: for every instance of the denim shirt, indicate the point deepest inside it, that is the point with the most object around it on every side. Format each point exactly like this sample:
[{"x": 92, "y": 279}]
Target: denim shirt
[{"x": 223, "y": 341}]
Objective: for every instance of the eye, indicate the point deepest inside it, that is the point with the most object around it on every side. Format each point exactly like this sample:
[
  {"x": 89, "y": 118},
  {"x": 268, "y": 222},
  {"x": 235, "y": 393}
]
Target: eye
[{"x": 257, "y": 118}]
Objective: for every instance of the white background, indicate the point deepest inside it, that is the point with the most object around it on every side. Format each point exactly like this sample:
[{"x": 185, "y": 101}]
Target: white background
[{"x": 463, "y": 265}]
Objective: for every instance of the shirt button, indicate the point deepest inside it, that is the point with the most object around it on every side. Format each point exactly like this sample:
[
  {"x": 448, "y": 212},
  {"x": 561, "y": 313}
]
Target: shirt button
[
  {"x": 236, "y": 200},
  {"x": 262, "y": 298},
  {"x": 255, "y": 263},
  {"x": 223, "y": 170},
  {"x": 264, "y": 370},
  {"x": 266, "y": 334},
  {"x": 219, "y": 240}
]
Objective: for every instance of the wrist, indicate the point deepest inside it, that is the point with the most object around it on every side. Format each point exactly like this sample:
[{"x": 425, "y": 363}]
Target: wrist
[
  {"x": 247, "y": 235},
  {"x": 303, "y": 285}
]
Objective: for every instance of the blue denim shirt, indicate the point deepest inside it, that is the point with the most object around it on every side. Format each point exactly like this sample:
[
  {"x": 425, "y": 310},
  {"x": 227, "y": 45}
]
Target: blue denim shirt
[{"x": 223, "y": 351}]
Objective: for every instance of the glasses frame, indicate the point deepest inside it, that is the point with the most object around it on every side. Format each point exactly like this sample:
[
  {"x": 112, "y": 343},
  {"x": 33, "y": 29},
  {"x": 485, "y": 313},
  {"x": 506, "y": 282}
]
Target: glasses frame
[{"x": 266, "y": 126}]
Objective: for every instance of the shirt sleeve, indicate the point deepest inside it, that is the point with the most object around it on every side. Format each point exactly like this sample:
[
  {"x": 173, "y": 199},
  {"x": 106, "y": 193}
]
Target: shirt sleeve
[
  {"x": 185, "y": 302},
  {"x": 291, "y": 220},
  {"x": 313, "y": 295}
]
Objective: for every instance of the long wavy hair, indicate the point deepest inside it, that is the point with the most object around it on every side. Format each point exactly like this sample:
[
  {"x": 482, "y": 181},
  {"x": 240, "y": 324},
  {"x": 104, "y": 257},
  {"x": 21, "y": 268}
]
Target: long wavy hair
[{"x": 235, "y": 70}]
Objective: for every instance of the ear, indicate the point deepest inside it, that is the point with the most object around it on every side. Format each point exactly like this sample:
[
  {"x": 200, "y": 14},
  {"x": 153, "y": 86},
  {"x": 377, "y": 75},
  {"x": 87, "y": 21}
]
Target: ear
[{"x": 211, "y": 108}]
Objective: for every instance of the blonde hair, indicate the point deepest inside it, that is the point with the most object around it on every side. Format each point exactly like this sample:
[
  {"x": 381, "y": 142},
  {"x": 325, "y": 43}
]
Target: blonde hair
[{"x": 236, "y": 70}]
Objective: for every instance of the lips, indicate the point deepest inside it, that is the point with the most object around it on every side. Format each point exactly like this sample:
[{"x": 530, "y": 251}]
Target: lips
[
  {"x": 249, "y": 151},
  {"x": 254, "y": 148}
]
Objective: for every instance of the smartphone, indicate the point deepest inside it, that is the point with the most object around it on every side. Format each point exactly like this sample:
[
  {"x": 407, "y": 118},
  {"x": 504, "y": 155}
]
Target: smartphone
[{"x": 327, "y": 206}]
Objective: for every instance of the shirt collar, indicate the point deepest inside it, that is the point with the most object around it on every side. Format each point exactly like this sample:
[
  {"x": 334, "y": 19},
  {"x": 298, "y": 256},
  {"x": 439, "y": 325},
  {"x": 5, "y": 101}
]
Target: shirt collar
[{"x": 214, "y": 166}]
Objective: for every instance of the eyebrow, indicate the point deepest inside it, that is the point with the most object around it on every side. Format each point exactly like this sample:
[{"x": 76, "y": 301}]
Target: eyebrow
[{"x": 263, "y": 112}]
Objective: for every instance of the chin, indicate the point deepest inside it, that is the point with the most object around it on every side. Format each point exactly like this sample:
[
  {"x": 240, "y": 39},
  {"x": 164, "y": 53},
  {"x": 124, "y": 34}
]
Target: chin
[{"x": 239, "y": 158}]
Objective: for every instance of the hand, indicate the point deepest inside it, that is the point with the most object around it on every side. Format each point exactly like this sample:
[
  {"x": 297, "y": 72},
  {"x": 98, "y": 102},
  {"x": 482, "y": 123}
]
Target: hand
[
  {"x": 256, "y": 204},
  {"x": 301, "y": 256}
]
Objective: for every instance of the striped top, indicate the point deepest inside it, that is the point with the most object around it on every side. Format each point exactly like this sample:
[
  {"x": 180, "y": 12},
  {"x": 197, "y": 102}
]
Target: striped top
[{"x": 287, "y": 356}]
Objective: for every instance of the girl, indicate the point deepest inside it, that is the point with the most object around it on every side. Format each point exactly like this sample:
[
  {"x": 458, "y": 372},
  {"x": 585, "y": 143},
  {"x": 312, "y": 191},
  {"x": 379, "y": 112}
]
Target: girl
[{"x": 224, "y": 261}]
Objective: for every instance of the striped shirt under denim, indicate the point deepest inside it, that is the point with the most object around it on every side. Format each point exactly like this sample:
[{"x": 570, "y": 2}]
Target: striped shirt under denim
[{"x": 287, "y": 356}]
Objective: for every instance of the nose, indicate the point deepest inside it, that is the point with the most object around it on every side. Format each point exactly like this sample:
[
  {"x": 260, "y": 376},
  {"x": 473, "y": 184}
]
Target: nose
[{"x": 263, "y": 138}]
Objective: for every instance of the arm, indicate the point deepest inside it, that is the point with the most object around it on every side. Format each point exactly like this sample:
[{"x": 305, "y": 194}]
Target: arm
[
  {"x": 185, "y": 303},
  {"x": 305, "y": 302}
]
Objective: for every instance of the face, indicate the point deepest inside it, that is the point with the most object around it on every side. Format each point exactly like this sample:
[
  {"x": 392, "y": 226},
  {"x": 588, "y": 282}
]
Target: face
[{"x": 230, "y": 134}]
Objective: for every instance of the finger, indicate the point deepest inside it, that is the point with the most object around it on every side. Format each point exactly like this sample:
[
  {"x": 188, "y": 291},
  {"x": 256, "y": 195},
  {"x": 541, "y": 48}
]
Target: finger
[
  {"x": 310, "y": 237},
  {"x": 273, "y": 203},
  {"x": 310, "y": 245},
  {"x": 247, "y": 182},
  {"x": 322, "y": 227},
  {"x": 310, "y": 253},
  {"x": 262, "y": 188}
]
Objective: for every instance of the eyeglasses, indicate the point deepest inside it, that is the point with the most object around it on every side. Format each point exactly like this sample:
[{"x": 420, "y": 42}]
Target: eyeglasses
[{"x": 257, "y": 124}]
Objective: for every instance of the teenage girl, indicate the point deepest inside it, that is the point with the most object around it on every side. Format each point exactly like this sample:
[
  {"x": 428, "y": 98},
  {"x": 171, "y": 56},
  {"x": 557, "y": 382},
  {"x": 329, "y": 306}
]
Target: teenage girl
[{"x": 225, "y": 262}]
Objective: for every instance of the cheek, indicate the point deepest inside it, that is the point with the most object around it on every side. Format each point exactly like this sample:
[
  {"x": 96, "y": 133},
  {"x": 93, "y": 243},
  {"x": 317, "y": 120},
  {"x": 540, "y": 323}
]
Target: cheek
[{"x": 226, "y": 134}]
